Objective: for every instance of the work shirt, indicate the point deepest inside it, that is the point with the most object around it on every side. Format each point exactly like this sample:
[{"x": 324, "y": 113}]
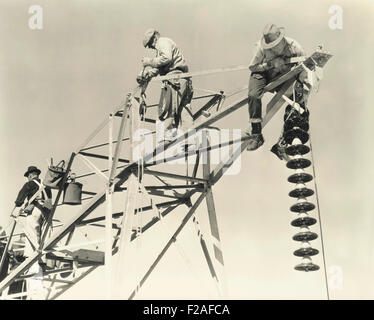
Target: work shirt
[
  {"x": 168, "y": 58},
  {"x": 28, "y": 190},
  {"x": 260, "y": 55}
]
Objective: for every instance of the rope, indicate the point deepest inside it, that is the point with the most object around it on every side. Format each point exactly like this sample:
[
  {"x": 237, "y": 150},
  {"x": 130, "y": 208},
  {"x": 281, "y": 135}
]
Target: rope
[
  {"x": 200, "y": 235},
  {"x": 140, "y": 166},
  {"x": 201, "y": 73},
  {"x": 196, "y": 222},
  {"x": 138, "y": 224},
  {"x": 138, "y": 227},
  {"x": 163, "y": 224},
  {"x": 167, "y": 231},
  {"x": 181, "y": 251},
  {"x": 207, "y": 90},
  {"x": 320, "y": 221},
  {"x": 10, "y": 223},
  {"x": 141, "y": 174},
  {"x": 317, "y": 196},
  {"x": 236, "y": 92},
  {"x": 179, "y": 248}
]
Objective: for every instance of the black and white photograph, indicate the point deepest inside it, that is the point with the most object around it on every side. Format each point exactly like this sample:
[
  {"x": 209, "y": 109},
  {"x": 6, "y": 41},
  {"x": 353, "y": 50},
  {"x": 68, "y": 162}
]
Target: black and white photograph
[{"x": 190, "y": 150}]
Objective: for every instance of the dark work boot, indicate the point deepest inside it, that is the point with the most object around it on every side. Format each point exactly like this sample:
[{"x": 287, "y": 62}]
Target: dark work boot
[
  {"x": 255, "y": 141},
  {"x": 279, "y": 149}
]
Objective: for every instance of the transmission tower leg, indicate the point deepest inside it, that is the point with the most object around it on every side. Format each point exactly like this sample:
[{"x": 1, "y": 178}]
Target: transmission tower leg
[
  {"x": 76, "y": 280},
  {"x": 51, "y": 287},
  {"x": 213, "y": 222},
  {"x": 172, "y": 239},
  {"x": 108, "y": 218},
  {"x": 5, "y": 252},
  {"x": 129, "y": 212},
  {"x": 126, "y": 231}
]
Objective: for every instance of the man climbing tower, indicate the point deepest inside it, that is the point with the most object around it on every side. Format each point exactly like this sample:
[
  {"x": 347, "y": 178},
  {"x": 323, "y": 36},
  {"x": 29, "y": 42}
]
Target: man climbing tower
[
  {"x": 34, "y": 218},
  {"x": 270, "y": 61},
  {"x": 176, "y": 94}
]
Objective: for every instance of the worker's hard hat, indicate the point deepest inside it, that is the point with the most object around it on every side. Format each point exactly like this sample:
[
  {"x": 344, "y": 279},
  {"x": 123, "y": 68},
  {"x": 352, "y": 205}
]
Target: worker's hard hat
[
  {"x": 148, "y": 36},
  {"x": 32, "y": 169},
  {"x": 272, "y": 35}
]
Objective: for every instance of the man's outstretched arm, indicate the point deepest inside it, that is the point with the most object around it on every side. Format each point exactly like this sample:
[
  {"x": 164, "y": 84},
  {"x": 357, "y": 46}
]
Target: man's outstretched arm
[
  {"x": 164, "y": 57},
  {"x": 257, "y": 63}
]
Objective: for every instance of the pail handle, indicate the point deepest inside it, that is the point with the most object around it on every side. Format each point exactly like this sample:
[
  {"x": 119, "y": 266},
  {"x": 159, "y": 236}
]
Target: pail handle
[{"x": 63, "y": 164}]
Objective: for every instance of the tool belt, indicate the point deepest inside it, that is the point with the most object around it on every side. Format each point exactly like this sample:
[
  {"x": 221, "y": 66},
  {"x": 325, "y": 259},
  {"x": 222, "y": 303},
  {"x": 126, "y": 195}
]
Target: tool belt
[
  {"x": 43, "y": 201},
  {"x": 172, "y": 99}
]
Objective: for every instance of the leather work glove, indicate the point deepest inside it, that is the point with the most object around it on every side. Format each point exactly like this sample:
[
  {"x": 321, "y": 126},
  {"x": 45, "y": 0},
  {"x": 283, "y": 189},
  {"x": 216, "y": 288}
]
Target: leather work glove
[
  {"x": 277, "y": 63},
  {"x": 146, "y": 75},
  {"x": 15, "y": 213},
  {"x": 260, "y": 67},
  {"x": 303, "y": 76},
  {"x": 143, "y": 77},
  {"x": 141, "y": 80},
  {"x": 146, "y": 61}
]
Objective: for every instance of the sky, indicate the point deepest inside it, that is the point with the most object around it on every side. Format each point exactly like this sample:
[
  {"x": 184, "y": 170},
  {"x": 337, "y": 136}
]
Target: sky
[{"x": 58, "y": 83}]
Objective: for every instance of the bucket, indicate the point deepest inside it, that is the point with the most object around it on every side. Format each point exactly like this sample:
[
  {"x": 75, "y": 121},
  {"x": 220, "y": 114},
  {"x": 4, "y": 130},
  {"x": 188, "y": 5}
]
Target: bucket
[
  {"x": 54, "y": 175},
  {"x": 64, "y": 275},
  {"x": 73, "y": 193},
  {"x": 62, "y": 265},
  {"x": 50, "y": 263}
]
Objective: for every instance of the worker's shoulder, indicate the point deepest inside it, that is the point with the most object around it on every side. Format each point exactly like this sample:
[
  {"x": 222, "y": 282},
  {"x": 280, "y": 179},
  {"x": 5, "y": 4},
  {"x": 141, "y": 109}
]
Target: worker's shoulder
[
  {"x": 33, "y": 183},
  {"x": 257, "y": 46},
  {"x": 292, "y": 41},
  {"x": 162, "y": 41},
  {"x": 28, "y": 185}
]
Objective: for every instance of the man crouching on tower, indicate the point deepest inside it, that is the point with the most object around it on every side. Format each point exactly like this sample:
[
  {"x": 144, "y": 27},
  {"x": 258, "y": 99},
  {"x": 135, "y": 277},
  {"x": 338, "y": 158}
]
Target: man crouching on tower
[
  {"x": 176, "y": 94},
  {"x": 269, "y": 62}
]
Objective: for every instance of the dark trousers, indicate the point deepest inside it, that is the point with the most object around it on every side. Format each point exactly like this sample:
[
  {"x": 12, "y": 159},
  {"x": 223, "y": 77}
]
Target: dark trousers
[
  {"x": 175, "y": 96},
  {"x": 257, "y": 83}
]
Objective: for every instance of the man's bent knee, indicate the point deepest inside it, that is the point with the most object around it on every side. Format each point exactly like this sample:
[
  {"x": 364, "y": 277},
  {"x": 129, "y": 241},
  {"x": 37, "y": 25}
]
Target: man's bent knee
[
  {"x": 254, "y": 95},
  {"x": 256, "y": 86}
]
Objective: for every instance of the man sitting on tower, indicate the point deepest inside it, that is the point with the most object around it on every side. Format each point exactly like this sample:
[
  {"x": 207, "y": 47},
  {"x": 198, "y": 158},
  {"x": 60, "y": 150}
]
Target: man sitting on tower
[
  {"x": 176, "y": 94},
  {"x": 270, "y": 61}
]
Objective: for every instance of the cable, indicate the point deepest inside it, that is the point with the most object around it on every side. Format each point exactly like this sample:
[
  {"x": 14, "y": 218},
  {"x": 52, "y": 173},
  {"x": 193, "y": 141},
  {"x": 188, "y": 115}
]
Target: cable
[
  {"x": 320, "y": 221},
  {"x": 207, "y": 91},
  {"x": 140, "y": 172},
  {"x": 181, "y": 251},
  {"x": 236, "y": 92},
  {"x": 10, "y": 223}
]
